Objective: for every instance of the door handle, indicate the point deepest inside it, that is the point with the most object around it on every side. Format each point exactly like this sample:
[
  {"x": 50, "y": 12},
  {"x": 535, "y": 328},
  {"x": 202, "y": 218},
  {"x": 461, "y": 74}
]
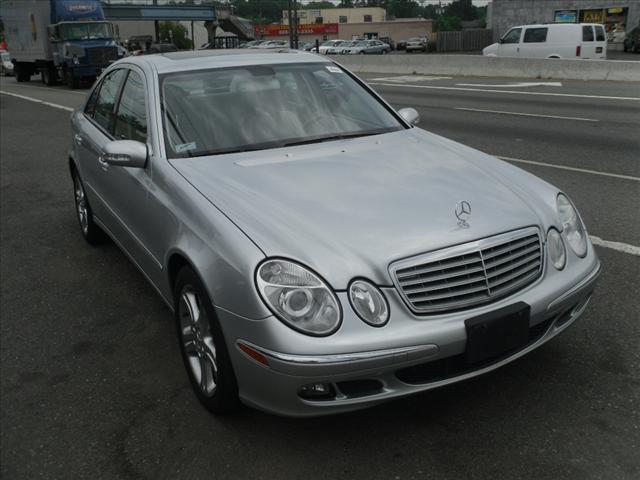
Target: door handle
[
  {"x": 78, "y": 139},
  {"x": 102, "y": 162}
]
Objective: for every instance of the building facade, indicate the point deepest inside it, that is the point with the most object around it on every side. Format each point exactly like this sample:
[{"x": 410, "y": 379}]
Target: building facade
[
  {"x": 338, "y": 15},
  {"x": 618, "y": 16}
]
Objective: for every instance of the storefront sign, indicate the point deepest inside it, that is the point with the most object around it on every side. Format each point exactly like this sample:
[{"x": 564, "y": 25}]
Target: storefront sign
[
  {"x": 306, "y": 29},
  {"x": 591, "y": 16},
  {"x": 565, "y": 16}
]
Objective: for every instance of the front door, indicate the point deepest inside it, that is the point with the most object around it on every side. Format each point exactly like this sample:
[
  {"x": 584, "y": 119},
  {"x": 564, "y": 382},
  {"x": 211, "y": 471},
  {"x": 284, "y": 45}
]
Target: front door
[{"x": 510, "y": 43}]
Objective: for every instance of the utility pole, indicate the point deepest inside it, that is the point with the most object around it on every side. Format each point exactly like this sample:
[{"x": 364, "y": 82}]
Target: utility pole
[
  {"x": 290, "y": 24},
  {"x": 295, "y": 24}
]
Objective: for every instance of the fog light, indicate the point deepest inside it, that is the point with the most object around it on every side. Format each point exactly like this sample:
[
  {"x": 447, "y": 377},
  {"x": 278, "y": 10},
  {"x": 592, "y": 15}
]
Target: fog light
[{"x": 317, "y": 391}]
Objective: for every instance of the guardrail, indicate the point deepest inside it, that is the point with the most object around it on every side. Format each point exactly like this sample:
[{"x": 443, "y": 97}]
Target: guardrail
[
  {"x": 480, "y": 66},
  {"x": 465, "y": 40}
]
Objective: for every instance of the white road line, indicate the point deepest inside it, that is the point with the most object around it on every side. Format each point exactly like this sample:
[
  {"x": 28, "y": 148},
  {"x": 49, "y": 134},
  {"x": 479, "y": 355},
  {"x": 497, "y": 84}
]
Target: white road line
[
  {"x": 410, "y": 78},
  {"x": 512, "y": 92},
  {"x": 571, "y": 169},
  {"x": 618, "y": 246},
  {"x": 48, "y": 89},
  {"x": 508, "y": 85},
  {"x": 579, "y": 119},
  {"x": 35, "y": 100}
]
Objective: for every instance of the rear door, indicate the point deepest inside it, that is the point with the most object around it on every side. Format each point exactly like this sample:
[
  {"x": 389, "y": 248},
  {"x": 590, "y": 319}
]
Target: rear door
[
  {"x": 601, "y": 41},
  {"x": 510, "y": 43},
  {"x": 534, "y": 42},
  {"x": 588, "y": 42}
]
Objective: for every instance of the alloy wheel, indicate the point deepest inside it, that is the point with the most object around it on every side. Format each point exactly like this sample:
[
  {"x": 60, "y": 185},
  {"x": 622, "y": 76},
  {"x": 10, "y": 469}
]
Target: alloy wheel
[
  {"x": 81, "y": 205},
  {"x": 197, "y": 341}
]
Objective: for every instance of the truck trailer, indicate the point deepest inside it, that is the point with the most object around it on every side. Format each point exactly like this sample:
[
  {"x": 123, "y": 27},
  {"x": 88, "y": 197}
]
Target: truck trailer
[{"x": 63, "y": 40}]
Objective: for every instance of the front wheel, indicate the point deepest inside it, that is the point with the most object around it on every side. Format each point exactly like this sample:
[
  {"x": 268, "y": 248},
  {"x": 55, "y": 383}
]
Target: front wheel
[
  {"x": 71, "y": 80},
  {"x": 204, "y": 351}
]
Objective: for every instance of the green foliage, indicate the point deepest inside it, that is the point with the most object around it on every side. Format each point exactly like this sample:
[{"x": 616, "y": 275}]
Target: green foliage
[
  {"x": 446, "y": 24},
  {"x": 463, "y": 9},
  {"x": 176, "y": 33},
  {"x": 317, "y": 5},
  {"x": 402, "y": 8}
]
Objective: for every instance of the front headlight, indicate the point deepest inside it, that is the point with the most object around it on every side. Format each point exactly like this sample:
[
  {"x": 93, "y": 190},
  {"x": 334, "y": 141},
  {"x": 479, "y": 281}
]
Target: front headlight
[
  {"x": 555, "y": 247},
  {"x": 298, "y": 297},
  {"x": 369, "y": 303},
  {"x": 572, "y": 227}
]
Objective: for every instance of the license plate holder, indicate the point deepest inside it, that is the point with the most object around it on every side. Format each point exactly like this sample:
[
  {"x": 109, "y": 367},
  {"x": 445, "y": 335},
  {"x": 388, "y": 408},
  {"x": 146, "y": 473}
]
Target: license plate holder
[{"x": 495, "y": 334}]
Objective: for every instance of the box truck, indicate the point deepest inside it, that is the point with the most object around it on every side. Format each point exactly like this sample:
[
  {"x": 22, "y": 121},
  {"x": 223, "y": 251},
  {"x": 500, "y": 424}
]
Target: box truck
[{"x": 63, "y": 40}]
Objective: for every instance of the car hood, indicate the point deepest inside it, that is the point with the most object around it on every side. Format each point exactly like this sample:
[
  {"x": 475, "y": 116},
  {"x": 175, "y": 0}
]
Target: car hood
[{"x": 349, "y": 208}]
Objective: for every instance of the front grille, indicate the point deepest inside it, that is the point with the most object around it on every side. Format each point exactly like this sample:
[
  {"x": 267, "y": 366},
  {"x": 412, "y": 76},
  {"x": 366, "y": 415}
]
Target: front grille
[
  {"x": 470, "y": 274},
  {"x": 102, "y": 55}
]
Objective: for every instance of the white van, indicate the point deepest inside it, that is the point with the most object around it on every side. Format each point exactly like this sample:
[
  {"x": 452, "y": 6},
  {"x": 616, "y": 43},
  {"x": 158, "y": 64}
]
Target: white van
[{"x": 559, "y": 40}]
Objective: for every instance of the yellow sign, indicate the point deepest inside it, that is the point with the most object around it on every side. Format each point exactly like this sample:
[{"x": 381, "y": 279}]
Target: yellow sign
[{"x": 592, "y": 16}]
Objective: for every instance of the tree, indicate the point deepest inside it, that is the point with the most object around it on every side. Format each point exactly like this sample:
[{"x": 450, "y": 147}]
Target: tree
[
  {"x": 317, "y": 5},
  {"x": 463, "y": 9},
  {"x": 176, "y": 33},
  {"x": 402, "y": 8},
  {"x": 448, "y": 23}
]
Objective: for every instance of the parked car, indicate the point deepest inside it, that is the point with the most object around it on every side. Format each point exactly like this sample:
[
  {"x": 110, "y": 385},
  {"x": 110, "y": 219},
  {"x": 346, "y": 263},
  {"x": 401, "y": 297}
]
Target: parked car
[
  {"x": 416, "y": 44},
  {"x": 6, "y": 67},
  {"x": 562, "y": 40},
  {"x": 367, "y": 47},
  {"x": 388, "y": 41},
  {"x": 274, "y": 44},
  {"x": 307, "y": 47},
  {"x": 401, "y": 45},
  {"x": 319, "y": 259},
  {"x": 324, "y": 47},
  {"x": 340, "y": 47},
  {"x": 161, "y": 48},
  {"x": 632, "y": 41},
  {"x": 252, "y": 43}
]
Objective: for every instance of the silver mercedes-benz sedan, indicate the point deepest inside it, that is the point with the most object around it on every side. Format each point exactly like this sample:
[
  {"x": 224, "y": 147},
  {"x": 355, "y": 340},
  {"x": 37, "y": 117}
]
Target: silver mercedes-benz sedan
[{"x": 320, "y": 253}]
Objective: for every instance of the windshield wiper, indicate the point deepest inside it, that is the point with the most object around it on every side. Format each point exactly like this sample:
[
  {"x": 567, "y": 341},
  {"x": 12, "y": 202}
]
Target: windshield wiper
[{"x": 329, "y": 138}]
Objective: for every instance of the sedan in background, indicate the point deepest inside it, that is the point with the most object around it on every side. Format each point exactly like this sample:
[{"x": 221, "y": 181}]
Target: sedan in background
[
  {"x": 340, "y": 48},
  {"x": 417, "y": 44},
  {"x": 319, "y": 252},
  {"x": 367, "y": 47},
  {"x": 6, "y": 67}
]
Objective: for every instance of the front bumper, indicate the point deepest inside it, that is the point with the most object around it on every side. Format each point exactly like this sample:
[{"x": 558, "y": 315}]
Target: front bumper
[{"x": 418, "y": 354}]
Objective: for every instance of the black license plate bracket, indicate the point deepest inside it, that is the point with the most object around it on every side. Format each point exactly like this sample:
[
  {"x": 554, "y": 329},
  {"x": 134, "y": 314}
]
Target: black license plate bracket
[{"x": 495, "y": 334}]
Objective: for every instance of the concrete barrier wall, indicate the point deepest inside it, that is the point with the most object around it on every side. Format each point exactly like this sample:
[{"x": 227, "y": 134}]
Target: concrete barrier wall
[{"x": 477, "y": 65}]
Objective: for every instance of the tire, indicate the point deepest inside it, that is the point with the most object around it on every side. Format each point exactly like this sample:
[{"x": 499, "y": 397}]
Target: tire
[
  {"x": 202, "y": 345},
  {"x": 49, "y": 76},
  {"x": 91, "y": 232},
  {"x": 22, "y": 73},
  {"x": 72, "y": 82}
]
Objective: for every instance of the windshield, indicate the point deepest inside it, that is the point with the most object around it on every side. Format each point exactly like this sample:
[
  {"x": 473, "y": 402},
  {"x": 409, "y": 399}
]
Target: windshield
[
  {"x": 85, "y": 31},
  {"x": 258, "y": 107},
  {"x": 5, "y": 57}
]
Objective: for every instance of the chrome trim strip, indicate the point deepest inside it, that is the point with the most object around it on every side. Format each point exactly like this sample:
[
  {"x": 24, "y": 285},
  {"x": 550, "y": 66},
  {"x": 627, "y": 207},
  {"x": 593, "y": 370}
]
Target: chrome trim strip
[
  {"x": 339, "y": 358},
  {"x": 464, "y": 249},
  {"x": 579, "y": 286}
]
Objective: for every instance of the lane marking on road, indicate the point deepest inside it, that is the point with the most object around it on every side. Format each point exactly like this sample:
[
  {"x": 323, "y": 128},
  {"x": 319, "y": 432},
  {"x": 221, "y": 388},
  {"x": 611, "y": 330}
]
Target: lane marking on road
[
  {"x": 36, "y": 100},
  {"x": 511, "y": 92},
  {"x": 571, "y": 169},
  {"x": 48, "y": 89},
  {"x": 618, "y": 246},
  {"x": 410, "y": 78},
  {"x": 579, "y": 119},
  {"x": 510, "y": 85}
]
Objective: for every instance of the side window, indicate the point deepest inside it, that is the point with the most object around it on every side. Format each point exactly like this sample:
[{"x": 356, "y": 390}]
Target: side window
[
  {"x": 131, "y": 119},
  {"x": 368, "y": 18},
  {"x": 587, "y": 33},
  {"x": 535, "y": 35},
  {"x": 512, "y": 36},
  {"x": 104, "y": 110},
  {"x": 600, "y": 37},
  {"x": 90, "y": 107}
]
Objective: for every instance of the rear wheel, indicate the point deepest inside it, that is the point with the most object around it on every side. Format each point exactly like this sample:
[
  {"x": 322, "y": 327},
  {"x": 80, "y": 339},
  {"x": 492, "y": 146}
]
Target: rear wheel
[
  {"x": 202, "y": 344},
  {"x": 71, "y": 80},
  {"x": 90, "y": 231},
  {"x": 49, "y": 76},
  {"x": 23, "y": 74}
]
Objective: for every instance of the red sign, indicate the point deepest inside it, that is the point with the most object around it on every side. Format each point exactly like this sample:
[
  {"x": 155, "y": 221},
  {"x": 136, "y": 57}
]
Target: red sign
[{"x": 308, "y": 29}]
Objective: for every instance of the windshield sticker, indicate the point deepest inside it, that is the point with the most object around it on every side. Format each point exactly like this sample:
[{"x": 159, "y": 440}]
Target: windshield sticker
[
  {"x": 334, "y": 69},
  {"x": 183, "y": 147}
]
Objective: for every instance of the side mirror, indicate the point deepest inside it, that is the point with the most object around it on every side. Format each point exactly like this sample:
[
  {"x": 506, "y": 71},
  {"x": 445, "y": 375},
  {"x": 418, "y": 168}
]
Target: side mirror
[
  {"x": 501, "y": 41},
  {"x": 125, "y": 153},
  {"x": 410, "y": 115}
]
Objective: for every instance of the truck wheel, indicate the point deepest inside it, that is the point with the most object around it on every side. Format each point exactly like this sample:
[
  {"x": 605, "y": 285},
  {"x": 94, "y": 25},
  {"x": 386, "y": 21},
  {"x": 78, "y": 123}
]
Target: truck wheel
[
  {"x": 72, "y": 82},
  {"x": 22, "y": 73},
  {"x": 49, "y": 76}
]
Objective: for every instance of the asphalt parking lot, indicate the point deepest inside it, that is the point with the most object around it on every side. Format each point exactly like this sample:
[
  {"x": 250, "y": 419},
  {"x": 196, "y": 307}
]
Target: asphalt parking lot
[{"x": 92, "y": 384}]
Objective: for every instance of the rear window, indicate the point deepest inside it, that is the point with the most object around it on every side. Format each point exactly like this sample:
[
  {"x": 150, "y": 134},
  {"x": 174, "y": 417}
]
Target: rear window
[
  {"x": 587, "y": 33},
  {"x": 535, "y": 35},
  {"x": 600, "y": 37}
]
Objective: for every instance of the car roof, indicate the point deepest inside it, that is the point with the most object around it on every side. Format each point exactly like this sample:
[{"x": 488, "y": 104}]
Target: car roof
[
  {"x": 201, "y": 59},
  {"x": 555, "y": 25}
]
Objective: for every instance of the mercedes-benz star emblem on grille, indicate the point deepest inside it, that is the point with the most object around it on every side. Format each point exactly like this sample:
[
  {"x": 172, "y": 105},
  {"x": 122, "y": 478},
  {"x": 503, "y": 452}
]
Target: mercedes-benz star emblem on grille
[{"x": 463, "y": 212}]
